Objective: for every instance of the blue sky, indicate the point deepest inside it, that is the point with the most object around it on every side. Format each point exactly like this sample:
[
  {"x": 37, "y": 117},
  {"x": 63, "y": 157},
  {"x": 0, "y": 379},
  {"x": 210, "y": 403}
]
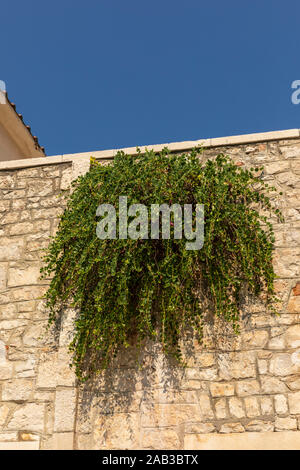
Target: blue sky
[{"x": 105, "y": 74}]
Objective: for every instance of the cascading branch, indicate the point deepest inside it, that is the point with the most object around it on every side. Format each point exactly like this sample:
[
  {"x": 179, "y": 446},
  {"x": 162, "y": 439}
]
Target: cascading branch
[{"x": 124, "y": 289}]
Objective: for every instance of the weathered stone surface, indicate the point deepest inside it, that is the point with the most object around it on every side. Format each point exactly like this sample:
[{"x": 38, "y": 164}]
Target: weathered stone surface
[
  {"x": 247, "y": 387},
  {"x": 266, "y": 404},
  {"x": 109, "y": 431},
  {"x": 272, "y": 385},
  {"x": 237, "y": 365},
  {"x": 293, "y": 383},
  {"x": 172, "y": 414},
  {"x": 29, "y": 417},
  {"x": 160, "y": 439},
  {"x": 252, "y": 407},
  {"x": 3, "y": 270},
  {"x": 22, "y": 276},
  {"x": 285, "y": 424},
  {"x": 290, "y": 151},
  {"x": 17, "y": 390},
  {"x": 4, "y": 412},
  {"x": 255, "y": 339},
  {"x": 294, "y": 402},
  {"x": 221, "y": 409},
  {"x": 294, "y": 304},
  {"x": 11, "y": 248},
  {"x": 65, "y": 403},
  {"x": 277, "y": 343},
  {"x": 6, "y": 370},
  {"x": 277, "y": 167},
  {"x": 232, "y": 427},
  {"x": 236, "y": 407},
  {"x": 221, "y": 389},
  {"x": 292, "y": 337},
  {"x": 280, "y": 404},
  {"x": 262, "y": 426},
  {"x": 47, "y": 371},
  {"x": 206, "y": 410},
  {"x": 282, "y": 365}
]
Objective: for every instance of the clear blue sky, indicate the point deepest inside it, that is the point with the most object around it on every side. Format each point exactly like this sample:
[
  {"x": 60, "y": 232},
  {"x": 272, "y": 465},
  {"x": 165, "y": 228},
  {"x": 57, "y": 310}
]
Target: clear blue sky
[{"x": 105, "y": 74}]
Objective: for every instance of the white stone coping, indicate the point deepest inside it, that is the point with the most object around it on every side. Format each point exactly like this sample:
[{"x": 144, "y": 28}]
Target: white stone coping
[
  {"x": 173, "y": 146},
  {"x": 283, "y": 440}
]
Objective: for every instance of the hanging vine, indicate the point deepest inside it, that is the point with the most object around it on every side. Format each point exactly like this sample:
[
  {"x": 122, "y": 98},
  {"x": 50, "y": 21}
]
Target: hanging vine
[{"x": 145, "y": 288}]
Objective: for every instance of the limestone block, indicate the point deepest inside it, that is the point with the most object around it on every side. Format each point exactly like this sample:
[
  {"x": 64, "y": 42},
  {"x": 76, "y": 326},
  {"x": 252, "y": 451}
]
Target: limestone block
[
  {"x": 47, "y": 371},
  {"x": 262, "y": 426},
  {"x": 11, "y": 248},
  {"x": 4, "y": 206},
  {"x": 276, "y": 343},
  {"x": 4, "y": 412},
  {"x": 293, "y": 383},
  {"x": 202, "y": 374},
  {"x": 277, "y": 167},
  {"x": 17, "y": 390},
  {"x": 8, "y": 436},
  {"x": 290, "y": 151},
  {"x": 236, "y": 407},
  {"x": 171, "y": 414},
  {"x": 7, "y": 181},
  {"x": 65, "y": 404},
  {"x": 282, "y": 364},
  {"x": 237, "y": 365},
  {"x": 159, "y": 439},
  {"x": 285, "y": 424},
  {"x": 266, "y": 404},
  {"x": 221, "y": 389},
  {"x": 232, "y": 427},
  {"x": 40, "y": 187},
  {"x": 6, "y": 370},
  {"x": 292, "y": 335},
  {"x": 252, "y": 407},
  {"x": 220, "y": 408},
  {"x": 294, "y": 402},
  {"x": 272, "y": 385},
  {"x": 66, "y": 179},
  {"x": 206, "y": 410},
  {"x": 262, "y": 366},
  {"x": 34, "y": 336},
  {"x": 287, "y": 262},
  {"x": 199, "y": 428},
  {"x": 120, "y": 430},
  {"x": 175, "y": 396},
  {"x": 24, "y": 228},
  {"x": 29, "y": 417},
  {"x": 247, "y": 387},
  {"x": 280, "y": 404},
  {"x": 23, "y": 275},
  {"x": 3, "y": 271}
]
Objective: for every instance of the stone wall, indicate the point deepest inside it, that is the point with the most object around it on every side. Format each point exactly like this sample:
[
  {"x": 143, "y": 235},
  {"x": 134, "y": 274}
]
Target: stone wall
[{"x": 246, "y": 385}]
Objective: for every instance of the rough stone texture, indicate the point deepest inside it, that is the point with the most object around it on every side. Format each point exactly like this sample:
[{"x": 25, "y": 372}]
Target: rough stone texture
[{"x": 233, "y": 386}]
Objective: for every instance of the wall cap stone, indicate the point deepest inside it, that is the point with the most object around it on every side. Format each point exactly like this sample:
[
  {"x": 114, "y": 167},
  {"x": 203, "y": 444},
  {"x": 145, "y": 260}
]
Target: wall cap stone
[
  {"x": 20, "y": 445},
  {"x": 173, "y": 146},
  {"x": 286, "y": 440}
]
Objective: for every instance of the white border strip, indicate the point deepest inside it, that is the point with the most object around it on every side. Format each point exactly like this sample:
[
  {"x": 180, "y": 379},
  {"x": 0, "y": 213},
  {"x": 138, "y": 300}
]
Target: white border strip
[{"x": 173, "y": 146}]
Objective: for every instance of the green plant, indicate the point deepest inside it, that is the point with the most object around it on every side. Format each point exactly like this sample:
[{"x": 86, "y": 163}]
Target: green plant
[{"x": 155, "y": 288}]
